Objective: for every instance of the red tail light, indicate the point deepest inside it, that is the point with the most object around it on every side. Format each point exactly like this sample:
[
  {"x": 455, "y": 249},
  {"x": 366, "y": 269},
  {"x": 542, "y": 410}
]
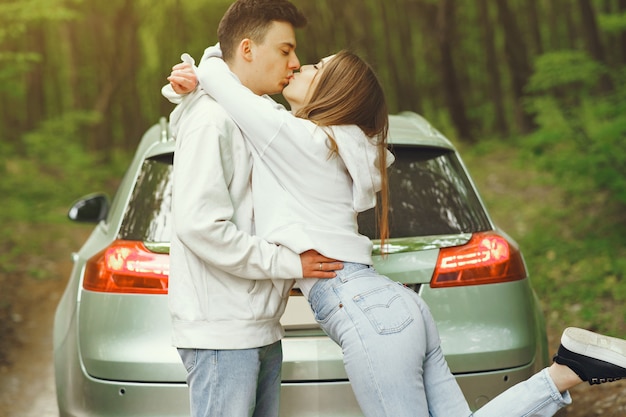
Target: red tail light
[
  {"x": 486, "y": 259},
  {"x": 127, "y": 267}
]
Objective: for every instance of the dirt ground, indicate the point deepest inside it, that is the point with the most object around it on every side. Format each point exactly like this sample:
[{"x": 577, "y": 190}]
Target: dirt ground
[{"x": 26, "y": 370}]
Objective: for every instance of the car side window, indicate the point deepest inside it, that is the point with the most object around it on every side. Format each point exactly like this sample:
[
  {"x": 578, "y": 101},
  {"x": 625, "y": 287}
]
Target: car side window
[{"x": 148, "y": 215}]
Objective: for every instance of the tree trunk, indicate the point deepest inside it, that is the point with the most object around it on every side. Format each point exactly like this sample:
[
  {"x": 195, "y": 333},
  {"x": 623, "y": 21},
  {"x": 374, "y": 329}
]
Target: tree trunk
[
  {"x": 515, "y": 52},
  {"x": 592, "y": 39},
  {"x": 534, "y": 26},
  {"x": 395, "y": 27},
  {"x": 425, "y": 83},
  {"x": 450, "y": 84},
  {"x": 494, "y": 83},
  {"x": 127, "y": 95},
  {"x": 590, "y": 30},
  {"x": 35, "y": 96},
  {"x": 561, "y": 29},
  {"x": 621, "y": 8},
  {"x": 572, "y": 30}
]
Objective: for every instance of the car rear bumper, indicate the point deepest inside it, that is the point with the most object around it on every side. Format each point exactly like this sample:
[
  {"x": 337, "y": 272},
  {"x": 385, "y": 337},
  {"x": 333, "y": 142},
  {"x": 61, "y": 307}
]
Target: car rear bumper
[
  {"x": 85, "y": 396},
  {"x": 81, "y": 395},
  {"x": 490, "y": 327}
]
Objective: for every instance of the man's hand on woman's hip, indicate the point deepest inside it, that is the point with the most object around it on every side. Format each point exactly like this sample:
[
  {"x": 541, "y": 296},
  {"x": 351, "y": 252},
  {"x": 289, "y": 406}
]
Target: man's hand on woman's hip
[{"x": 315, "y": 265}]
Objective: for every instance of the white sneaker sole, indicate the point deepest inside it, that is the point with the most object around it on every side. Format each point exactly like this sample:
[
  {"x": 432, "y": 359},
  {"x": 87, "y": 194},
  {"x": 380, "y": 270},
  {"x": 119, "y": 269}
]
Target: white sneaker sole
[{"x": 597, "y": 346}]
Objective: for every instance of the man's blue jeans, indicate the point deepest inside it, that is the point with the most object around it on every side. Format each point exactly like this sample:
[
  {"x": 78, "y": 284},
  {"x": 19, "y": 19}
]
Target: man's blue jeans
[
  {"x": 392, "y": 353},
  {"x": 234, "y": 383}
]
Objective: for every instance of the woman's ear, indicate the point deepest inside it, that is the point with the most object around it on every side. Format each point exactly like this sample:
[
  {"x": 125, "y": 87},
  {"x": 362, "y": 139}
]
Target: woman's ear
[{"x": 245, "y": 49}]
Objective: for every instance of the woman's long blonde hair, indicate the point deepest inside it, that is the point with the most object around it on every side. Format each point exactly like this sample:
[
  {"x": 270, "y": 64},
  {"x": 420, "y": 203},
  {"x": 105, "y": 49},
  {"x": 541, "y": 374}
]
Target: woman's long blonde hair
[{"x": 349, "y": 93}]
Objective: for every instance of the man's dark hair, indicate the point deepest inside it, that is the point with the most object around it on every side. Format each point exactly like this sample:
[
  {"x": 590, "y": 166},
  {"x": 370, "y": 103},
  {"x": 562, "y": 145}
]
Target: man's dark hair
[{"x": 251, "y": 19}]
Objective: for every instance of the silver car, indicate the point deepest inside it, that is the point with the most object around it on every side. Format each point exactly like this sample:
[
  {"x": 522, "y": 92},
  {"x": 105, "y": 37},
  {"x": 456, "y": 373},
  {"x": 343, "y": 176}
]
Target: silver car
[{"x": 112, "y": 343}]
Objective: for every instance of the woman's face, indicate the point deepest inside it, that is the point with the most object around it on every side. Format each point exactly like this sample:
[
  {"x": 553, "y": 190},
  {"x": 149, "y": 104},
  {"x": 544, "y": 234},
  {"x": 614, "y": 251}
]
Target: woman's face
[{"x": 301, "y": 83}]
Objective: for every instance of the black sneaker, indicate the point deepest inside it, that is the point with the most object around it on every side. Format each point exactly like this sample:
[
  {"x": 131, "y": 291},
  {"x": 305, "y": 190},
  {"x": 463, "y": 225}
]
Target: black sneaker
[{"x": 595, "y": 358}]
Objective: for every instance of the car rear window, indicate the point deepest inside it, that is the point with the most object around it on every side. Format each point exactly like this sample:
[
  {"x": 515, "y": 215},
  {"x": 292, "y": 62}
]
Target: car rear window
[{"x": 430, "y": 194}]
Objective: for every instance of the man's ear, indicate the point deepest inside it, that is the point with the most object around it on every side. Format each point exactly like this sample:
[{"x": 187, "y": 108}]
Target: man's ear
[{"x": 245, "y": 49}]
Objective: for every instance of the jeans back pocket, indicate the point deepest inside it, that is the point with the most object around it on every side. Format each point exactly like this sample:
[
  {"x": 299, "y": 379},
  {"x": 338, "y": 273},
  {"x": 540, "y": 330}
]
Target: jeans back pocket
[{"x": 385, "y": 308}]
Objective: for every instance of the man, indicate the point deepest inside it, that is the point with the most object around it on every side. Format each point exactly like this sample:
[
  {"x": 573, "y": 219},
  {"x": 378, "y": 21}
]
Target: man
[{"x": 227, "y": 287}]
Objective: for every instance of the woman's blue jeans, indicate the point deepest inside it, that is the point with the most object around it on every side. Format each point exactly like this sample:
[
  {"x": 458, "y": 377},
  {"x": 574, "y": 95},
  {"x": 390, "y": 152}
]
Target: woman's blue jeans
[{"x": 393, "y": 357}]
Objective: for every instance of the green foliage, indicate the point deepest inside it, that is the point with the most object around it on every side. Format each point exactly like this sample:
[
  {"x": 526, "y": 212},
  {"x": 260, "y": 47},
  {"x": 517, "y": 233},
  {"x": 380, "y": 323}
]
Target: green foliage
[
  {"x": 563, "y": 72},
  {"x": 50, "y": 171},
  {"x": 16, "y": 18},
  {"x": 15, "y": 65},
  {"x": 612, "y": 23},
  {"x": 581, "y": 134}
]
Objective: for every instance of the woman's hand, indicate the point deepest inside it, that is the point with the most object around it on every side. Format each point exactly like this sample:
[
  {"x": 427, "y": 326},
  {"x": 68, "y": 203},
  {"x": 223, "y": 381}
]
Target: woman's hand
[{"x": 183, "y": 78}]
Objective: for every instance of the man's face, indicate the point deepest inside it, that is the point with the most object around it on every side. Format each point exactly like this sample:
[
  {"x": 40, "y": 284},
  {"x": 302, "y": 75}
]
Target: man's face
[{"x": 274, "y": 60}]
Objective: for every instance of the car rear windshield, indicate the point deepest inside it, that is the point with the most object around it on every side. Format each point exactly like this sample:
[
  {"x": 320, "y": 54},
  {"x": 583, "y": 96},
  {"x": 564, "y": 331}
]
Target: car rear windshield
[{"x": 430, "y": 195}]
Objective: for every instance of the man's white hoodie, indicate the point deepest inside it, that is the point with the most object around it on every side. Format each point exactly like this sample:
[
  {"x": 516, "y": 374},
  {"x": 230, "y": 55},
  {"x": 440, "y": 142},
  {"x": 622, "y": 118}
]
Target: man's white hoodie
[{"x": 227, "y": 288}]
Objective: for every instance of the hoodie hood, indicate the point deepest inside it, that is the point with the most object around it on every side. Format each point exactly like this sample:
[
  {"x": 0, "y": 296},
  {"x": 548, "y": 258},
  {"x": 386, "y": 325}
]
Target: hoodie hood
[{"x": 360, "y": 155}]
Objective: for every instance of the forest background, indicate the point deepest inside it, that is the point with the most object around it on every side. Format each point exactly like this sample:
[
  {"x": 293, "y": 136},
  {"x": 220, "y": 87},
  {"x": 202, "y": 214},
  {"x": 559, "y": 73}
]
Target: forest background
[{"x": 532, "y": 91}]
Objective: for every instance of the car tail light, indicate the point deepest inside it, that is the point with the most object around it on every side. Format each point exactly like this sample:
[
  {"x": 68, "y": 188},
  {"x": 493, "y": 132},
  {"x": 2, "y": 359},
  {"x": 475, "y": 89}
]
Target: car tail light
[
  {"x": 127, "y": 267},
  {"x": 486, "y": 259}
]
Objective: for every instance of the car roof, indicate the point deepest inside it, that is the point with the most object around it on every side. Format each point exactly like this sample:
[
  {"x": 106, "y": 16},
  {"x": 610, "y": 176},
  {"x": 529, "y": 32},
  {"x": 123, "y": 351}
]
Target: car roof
[
  {"x": 405, "y": 128},
  {"x": 409, "y": 128}
]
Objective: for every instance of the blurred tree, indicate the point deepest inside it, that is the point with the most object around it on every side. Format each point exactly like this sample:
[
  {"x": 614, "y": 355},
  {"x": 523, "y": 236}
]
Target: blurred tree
[
  {"x": 612, "y": 21},
  {"x": 559, "y": 25},
  {"x": 463, "y": 65},
  {"x": 22, "y": 50},
  {"x": 492, "y": 71},
  {"x": 580, "y": 136},
  {"x": 451, "y": 88},
  {"x": 517, "y": 59},
  {"x": 534, "y": 25},
  {"x": 590, "y": 31},
  {"x": 592, "y": 39},
  {"x": 621, "y": 16}
]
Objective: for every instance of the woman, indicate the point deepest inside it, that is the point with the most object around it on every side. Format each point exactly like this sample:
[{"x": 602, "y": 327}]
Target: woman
[{"x": 325, "y": 161}]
